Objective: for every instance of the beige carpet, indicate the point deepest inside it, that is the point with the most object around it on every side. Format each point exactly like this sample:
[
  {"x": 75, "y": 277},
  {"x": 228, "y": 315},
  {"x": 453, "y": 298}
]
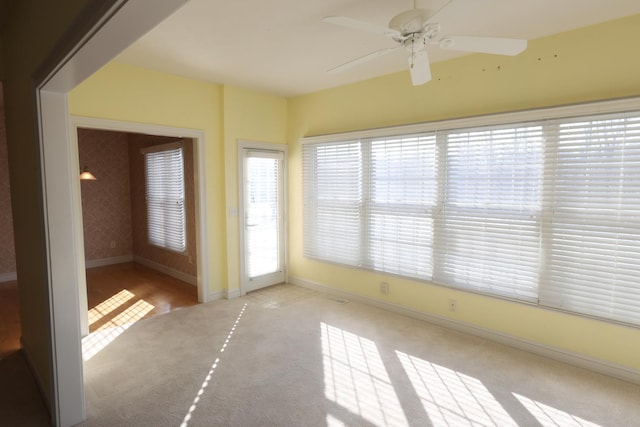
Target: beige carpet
[{"x": 287, "y": 356}]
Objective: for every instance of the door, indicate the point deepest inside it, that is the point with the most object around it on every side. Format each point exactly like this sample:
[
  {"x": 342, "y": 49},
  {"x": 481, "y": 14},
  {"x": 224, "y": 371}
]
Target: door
[{"x": 263, "y": 225}]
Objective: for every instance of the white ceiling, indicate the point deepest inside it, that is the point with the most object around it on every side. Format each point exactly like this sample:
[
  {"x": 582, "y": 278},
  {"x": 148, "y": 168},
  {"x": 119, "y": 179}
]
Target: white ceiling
[{"x": 283, "y": 46}]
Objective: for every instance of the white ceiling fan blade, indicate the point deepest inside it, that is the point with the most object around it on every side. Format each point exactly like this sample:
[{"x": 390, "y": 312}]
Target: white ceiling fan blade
[
  {"x": 493, "y": 45},
  {"x": 362, "y": 59},
  {"x": 343, "y": 21},
  {"x": 419, "y": 67}
]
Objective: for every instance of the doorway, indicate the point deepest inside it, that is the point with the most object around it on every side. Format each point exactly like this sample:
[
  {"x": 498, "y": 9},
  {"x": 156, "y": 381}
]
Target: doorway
[
  {"x": 116, "y": 228},
  {"x": 262, "y": 193},
  {"x": 191, "y": 267},
  {"x": 105, "y": 31}
]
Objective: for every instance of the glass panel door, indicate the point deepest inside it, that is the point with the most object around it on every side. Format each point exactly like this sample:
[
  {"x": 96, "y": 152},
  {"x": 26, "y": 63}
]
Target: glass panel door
[{"x": 263, "y": 218}]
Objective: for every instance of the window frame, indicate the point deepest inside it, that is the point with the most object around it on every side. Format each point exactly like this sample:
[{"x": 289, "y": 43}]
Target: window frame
[
  {"x": 166, "y": 242},
  {"x": 542, "y": 216}
]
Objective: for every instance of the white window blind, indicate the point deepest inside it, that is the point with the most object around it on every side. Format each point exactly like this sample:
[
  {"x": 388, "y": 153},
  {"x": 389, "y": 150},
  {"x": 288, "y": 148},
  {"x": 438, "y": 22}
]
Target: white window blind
[
  {"x": 165, "y": 196},
  {"x": 369, "y": 203},
  {"x": 333, "y": 202},
  {"x": 491, "y": 217},
  {"x": 593, "y": 235},
  {"x": 401, "y": 194},
  {"x": 543, "y": 211}
]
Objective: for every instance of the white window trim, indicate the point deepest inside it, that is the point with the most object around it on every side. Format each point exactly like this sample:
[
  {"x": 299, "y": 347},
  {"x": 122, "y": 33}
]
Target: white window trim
[
  {"x": 161, "y": 147},
  {"x": 599, "y": 107}
]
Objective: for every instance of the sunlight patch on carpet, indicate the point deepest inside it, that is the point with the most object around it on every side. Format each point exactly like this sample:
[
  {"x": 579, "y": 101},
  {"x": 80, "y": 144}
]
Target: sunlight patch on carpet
[
  {"x": 334, "y": 422},
  {"x": 549, "y": 416},
  {"x": 95, "y": 342},
  {"x": 451, "y": 398},
  {"x": 356, "y": 379},
  {"x": 205, "y": 383}
]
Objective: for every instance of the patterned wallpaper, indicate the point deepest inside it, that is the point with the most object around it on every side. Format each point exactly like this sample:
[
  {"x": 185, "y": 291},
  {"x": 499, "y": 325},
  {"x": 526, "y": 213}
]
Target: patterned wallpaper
[
  {"x": 106, "y": 202},
  {"x": 186, "y": 262},
  {"x": 7, "y": 248}
]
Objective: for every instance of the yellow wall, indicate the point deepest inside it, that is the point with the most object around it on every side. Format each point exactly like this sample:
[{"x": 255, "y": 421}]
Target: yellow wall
[
  {"x": 594, "y": 63},
  {"x": 578, "y": 66},
  {"x": 226, "y": 114},
  {"x": 248, "y": 116}
]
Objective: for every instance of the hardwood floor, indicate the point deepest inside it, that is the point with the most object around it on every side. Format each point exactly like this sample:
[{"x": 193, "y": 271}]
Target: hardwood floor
[
  {"x": 117, "y": 294},
  {"x": 125, "y": 293},
  {"x": 10, "y": 329}
]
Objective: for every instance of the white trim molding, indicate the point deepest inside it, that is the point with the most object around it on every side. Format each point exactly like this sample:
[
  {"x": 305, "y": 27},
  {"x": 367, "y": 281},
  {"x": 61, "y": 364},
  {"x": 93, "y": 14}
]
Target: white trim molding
[
  {"x": 192, "y": 280},
  {"x": 573, "y": 110},
  {"x": 233, "y": 293},
  {"x": 198, "y": 136},
  {"x": 92, "y": 263},
  {"x": 571, "y": 358},
  {"x": 246, "y": 285},
  {"x": 8, "y": 277},
  {"x": 215, "y": 296}
]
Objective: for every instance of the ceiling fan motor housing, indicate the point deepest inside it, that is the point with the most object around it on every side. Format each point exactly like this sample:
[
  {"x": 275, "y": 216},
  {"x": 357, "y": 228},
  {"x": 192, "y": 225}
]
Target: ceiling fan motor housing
[
  {"x": 419, "y": 40},
  {"x": 410, "y": 21}
]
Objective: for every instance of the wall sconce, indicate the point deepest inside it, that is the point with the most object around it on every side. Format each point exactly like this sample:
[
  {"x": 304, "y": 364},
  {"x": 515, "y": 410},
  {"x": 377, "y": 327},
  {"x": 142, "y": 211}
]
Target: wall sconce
[{"x": 85, "y": 175}]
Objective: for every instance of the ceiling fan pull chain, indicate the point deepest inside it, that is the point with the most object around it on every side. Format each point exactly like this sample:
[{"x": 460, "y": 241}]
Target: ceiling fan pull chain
[{"x": 413, "y": 48}]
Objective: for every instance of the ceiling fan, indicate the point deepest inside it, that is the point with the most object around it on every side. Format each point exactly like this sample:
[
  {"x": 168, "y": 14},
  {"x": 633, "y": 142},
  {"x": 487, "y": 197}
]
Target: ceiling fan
[{"x": 414, "y": 30}]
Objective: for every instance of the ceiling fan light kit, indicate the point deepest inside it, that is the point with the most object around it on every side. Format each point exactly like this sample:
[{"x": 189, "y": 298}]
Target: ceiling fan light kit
[{"x": 414, "y": 30}]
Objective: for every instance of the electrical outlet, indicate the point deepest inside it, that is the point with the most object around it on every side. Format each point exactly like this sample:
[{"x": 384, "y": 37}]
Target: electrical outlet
[
  {"x": 112, "y": 244},
  {"x": 384, "y": 288},
  {"x": 453, "y": 305}
]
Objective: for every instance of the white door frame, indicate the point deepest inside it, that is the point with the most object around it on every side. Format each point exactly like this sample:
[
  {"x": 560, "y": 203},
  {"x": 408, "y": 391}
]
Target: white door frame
[
  {"x": 267, "y": 146},
  {"x": 198, "y": 137},
  {"x": 124, "y": 23}
]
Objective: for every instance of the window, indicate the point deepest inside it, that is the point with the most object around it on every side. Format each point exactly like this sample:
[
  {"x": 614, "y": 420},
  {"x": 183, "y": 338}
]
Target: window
[
  {"x": 545, "y": 211},
  {"x": 164, "y": 173},
  {"x": 491, "y": 210},
  {"x": 593, "y": 237},
  {"x": 402, "y": 192},
  {"x": 370, "y": 203},
  {"x": 333, "y": 202}
]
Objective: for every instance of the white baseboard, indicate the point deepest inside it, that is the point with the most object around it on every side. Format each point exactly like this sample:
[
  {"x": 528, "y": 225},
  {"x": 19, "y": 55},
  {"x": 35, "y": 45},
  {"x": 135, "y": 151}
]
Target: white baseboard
[
  {"x": 44, "y": 392},
  {"x": 108, "y": 261},
  {"x": 193, "y": 280},
  {"x": 214, "y": 296},
  {"x": 233, "y": 293},
  {"x": 8, "y": 277},
  {"x": 575, "y": 359}
]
